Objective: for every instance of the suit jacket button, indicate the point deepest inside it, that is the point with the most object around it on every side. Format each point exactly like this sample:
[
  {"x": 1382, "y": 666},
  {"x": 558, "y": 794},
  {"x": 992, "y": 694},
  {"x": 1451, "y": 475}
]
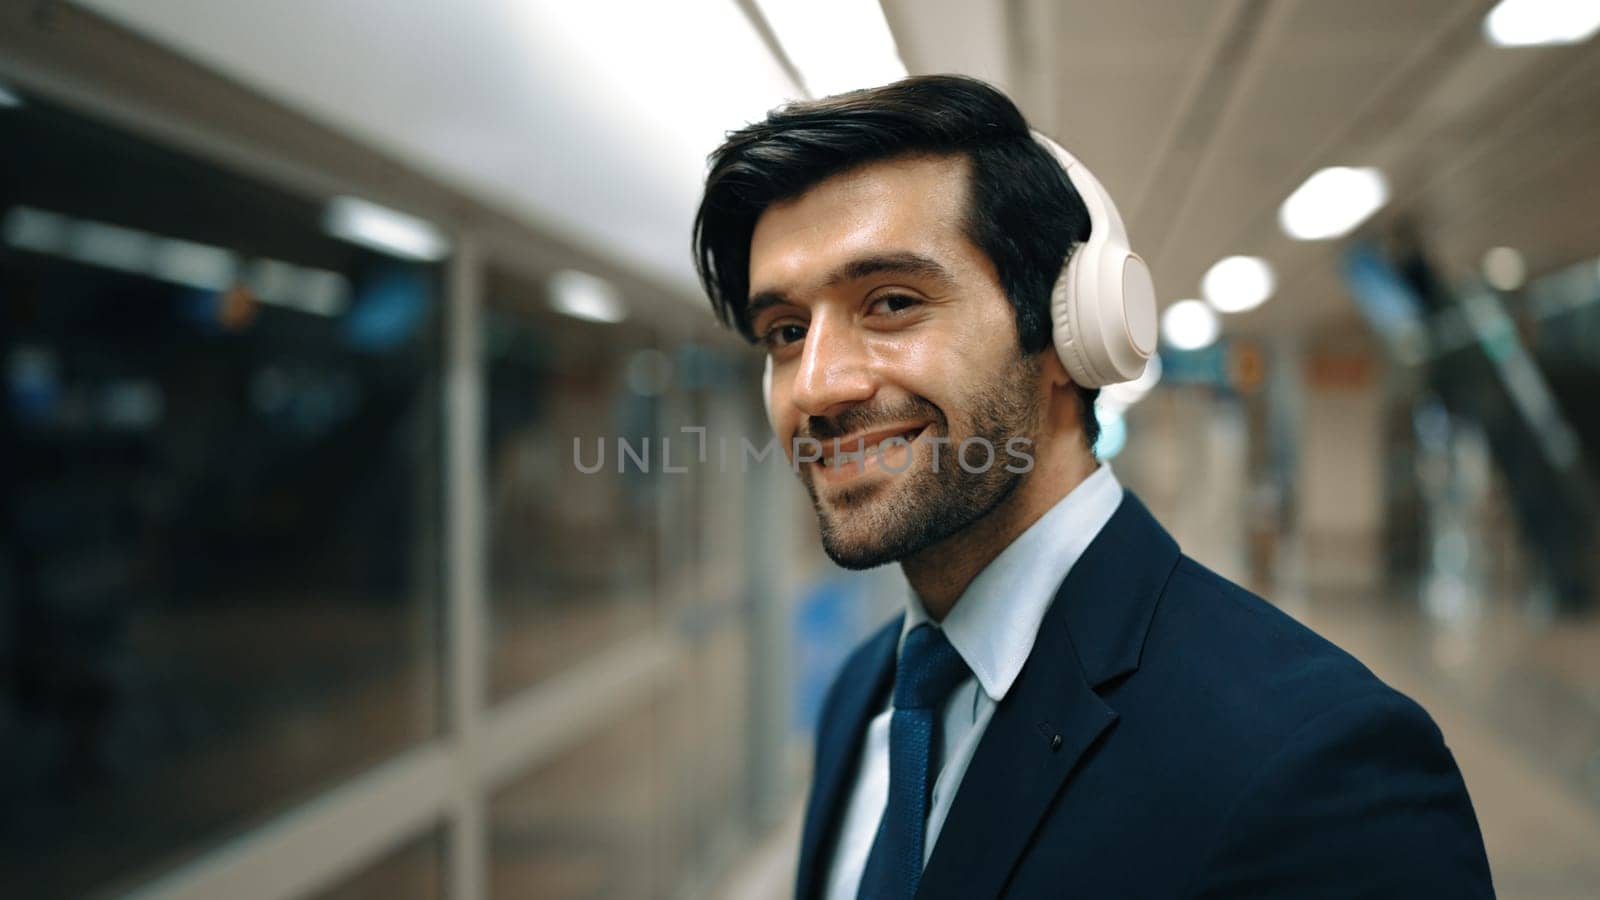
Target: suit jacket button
[{"x": 1055, "y": 743}]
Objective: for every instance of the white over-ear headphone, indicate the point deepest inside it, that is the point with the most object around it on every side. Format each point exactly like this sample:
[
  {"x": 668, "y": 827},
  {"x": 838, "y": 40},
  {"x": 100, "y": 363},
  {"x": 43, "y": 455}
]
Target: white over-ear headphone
[{"x": 1103, "y": 307}]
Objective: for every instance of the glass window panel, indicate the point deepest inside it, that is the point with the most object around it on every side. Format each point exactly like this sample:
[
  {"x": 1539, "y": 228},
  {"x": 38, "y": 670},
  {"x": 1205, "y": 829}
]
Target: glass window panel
[
  {"x": 573, "y": 556},
  {"x": 413, "y": 871},
  {"x": 586, "y": 825},
  {"x": 219, "y": 456}
]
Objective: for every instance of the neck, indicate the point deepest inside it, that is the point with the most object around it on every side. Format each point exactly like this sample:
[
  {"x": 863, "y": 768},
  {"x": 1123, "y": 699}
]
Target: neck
[{"x": 940, "y": 572}]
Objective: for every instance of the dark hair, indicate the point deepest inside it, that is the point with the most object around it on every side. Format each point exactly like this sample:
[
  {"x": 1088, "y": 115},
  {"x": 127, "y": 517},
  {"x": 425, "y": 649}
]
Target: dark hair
[{"x": 1022, "y": 211}]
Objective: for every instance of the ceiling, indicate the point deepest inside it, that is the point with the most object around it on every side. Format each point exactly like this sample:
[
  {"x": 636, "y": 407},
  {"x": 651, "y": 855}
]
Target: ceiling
[
  {"x": 590, "y": 119},
  {"x": 1201, "y": 116}
]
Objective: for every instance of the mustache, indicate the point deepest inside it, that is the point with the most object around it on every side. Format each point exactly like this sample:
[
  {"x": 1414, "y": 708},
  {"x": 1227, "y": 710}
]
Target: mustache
[{"x": 861, "y": 418}]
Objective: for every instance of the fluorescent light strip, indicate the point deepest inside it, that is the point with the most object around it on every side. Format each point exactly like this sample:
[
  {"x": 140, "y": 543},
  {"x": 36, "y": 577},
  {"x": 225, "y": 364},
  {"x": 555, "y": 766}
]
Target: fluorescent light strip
[
  {"x": 196, "y": 265},
  {"x": 322, "y": 292},
  {"x": 110, "y": 246},
  {"x": 385, "y": 230},
  {"x": 316, "y": 291},
  {"x": 35, "y": 229},
  {"x": 174, "y": 260},
  {"x": 838, "y": 45}
]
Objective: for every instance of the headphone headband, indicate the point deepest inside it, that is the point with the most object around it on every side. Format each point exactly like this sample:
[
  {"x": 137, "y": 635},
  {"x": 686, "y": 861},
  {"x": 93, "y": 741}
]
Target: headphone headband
[{"x": 1102, "y": 211}]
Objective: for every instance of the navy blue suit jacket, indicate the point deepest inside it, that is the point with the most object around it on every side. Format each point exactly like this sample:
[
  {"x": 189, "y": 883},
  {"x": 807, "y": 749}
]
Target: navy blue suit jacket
[{"x": 1173, "y": 735}]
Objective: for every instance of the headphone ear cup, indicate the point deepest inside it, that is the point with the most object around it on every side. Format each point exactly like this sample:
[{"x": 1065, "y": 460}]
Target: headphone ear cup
[
  {"x": 1102, "y": 307},
  {"x": 1103, "y": 313},
  {"x": 1064, "y": 321}
]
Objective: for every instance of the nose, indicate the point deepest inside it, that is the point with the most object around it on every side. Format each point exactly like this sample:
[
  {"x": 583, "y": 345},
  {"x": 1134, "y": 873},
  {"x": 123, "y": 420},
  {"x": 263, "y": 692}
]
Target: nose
[{"x": 834, "y": 371}]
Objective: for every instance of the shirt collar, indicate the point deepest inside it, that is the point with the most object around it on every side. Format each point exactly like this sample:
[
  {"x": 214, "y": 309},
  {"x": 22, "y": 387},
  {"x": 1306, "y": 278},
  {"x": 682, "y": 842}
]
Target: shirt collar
[{"x": 995, "y": 621}]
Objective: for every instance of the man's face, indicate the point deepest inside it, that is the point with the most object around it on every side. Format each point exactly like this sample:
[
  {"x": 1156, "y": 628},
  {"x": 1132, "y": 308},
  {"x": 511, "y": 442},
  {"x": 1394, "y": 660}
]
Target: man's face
[{"x": 885, "y": 322}]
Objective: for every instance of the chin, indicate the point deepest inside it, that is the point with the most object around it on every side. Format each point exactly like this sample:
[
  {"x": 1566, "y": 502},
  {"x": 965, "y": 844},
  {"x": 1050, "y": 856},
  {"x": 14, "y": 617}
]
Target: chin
[
  {"x": 864, "y": 528},
  {"x": 859, "y": 555}
]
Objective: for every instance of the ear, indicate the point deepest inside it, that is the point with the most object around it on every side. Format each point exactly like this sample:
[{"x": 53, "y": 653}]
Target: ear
[
  {"x": 1060, "y": 392},
  {"x": 1054, "y": 372}
]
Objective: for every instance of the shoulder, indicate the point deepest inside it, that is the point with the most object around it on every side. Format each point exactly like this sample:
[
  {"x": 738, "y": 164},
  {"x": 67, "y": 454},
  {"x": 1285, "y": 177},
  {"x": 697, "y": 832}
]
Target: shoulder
[
  {"x": 1320, "y": 768},
  {"x": 1237, "y": 680},
  {"x": 1248, "y": 665}
]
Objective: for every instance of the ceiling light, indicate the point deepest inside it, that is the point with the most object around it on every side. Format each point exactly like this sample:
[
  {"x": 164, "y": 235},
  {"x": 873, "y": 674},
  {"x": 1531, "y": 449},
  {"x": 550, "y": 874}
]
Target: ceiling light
[
  {"x": 1238, "y": 283},
  {"x": 1504, "y": 268},
  {"x": 1332, "y": 202},
  {"x": 1533, "y": 23},
  {"x": 385, "y": 230},
  {"x": 837, "y": 45},
  {"x": 585, "y": 296},
  {"x": 1189, "y": 325}
]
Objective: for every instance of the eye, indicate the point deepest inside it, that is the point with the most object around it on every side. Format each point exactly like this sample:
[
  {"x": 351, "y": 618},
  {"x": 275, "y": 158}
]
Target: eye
[
  {"x": 783, "y": 335},
  {"x": 891, "y": 304}
]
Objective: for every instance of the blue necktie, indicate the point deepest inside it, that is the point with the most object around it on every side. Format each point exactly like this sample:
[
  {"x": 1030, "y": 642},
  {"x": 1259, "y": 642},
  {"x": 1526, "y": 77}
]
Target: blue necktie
[{"x": 929, "y": 668}]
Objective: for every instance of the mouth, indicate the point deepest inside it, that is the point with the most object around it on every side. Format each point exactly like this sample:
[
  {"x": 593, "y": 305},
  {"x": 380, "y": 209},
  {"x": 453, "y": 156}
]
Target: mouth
[{"x": 848, "y": 457}]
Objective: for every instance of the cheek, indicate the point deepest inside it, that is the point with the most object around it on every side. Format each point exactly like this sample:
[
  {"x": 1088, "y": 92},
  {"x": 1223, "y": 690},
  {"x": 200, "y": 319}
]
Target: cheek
[
  {"x": 943, "y": 365},
  {"x": 913, "y": 358}
]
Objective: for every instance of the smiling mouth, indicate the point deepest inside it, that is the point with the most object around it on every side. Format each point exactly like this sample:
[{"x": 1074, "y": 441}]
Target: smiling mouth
[{"x": 861, "y": 451}]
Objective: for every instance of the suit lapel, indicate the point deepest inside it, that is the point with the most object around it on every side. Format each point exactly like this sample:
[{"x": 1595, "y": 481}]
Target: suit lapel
[
  {"x": 1015, "y": 773},
  {"x": 1093, "y": 633},
  {"x": 861, "y": 690}
]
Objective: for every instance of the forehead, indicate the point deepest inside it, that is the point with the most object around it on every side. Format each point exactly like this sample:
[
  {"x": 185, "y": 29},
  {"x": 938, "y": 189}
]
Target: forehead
[{"x": 913, "y": 204}]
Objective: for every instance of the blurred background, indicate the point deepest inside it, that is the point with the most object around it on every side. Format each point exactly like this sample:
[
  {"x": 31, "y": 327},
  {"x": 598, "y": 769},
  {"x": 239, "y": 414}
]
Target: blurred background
[{"x": 303, "y": 306}]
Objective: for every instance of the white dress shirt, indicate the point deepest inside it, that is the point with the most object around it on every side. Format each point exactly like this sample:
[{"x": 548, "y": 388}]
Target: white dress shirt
[{"x": 993, "y": 626}]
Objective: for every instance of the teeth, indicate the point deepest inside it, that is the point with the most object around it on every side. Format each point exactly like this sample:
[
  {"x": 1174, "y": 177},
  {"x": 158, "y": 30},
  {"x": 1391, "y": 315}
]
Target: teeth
[{"x": 849, "y": 456}]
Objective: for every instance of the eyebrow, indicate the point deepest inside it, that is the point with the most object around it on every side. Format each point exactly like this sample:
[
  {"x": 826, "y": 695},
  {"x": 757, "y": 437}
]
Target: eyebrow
[{"x": 898, "y": 263}]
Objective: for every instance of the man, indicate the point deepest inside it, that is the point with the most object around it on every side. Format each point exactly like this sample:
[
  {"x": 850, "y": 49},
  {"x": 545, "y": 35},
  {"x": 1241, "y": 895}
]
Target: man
[{"x": 1068, "y": 706}]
